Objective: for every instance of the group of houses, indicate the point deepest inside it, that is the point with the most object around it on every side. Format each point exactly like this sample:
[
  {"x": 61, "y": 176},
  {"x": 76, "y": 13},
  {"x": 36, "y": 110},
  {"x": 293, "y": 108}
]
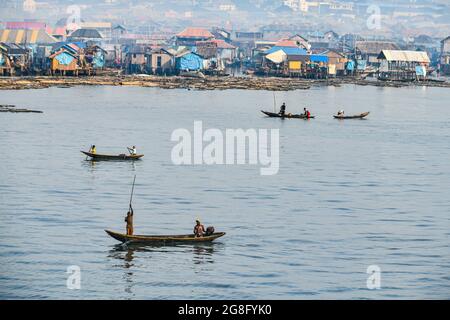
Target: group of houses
[{"x": 27, "y": 49}]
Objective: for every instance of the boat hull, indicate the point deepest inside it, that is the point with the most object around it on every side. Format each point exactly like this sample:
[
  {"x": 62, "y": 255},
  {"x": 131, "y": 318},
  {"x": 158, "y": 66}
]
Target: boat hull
[
  {"x": 286, "y": 116},
  {"x": 120, "y": 157},
  {"x": 358, "y": 116},
  {"x": 141, "y": 239}
]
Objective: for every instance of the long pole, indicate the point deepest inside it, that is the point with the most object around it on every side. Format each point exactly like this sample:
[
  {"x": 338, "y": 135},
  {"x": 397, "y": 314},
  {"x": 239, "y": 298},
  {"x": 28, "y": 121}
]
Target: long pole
[
  {"x": 274, "y": 102},
  {"x": 132, "y": 190}
]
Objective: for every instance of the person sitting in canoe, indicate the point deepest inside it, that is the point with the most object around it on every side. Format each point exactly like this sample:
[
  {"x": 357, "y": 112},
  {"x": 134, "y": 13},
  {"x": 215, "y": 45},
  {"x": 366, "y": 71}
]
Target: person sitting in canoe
[
  {"x": 132, "y": 150},
  {"x": 340, "y": 113},
  {"x": 92, "y": 149},
  {"x": 282, "y": 109},
  {"x": 199, "y": 229},
  {"x": 129, "y": 221},
  {"x": 307, "y": 113}
]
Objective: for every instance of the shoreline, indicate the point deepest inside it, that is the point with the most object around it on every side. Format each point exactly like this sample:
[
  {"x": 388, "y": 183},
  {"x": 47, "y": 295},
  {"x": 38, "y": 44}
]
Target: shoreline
[{"x": 207, "y": 83}]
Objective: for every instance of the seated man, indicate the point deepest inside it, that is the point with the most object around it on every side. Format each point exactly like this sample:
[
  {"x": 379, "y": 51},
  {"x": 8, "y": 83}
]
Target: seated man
[
  {"x": 340, "y": 113},
  {"x": 307, "y": 113},
  {"x": 92, "y": 149},
  {"x": 132, "y": 150},
  {"x": 199, "y": 229}
]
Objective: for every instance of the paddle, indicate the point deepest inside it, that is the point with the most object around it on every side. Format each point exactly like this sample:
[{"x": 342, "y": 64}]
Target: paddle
[
  {"x": 274, "y": 103},
  {"x": 132, "y": 190}
]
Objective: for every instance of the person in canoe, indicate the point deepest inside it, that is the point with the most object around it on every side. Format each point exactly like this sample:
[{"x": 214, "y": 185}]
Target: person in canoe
[
  {"x": 340, "y": 113},
  {"x": 307, "y": 113},
  {"x": 282, "y": 109},
  {"x": 199, "y": 229},
  {"x": 132, "y": 150},
  {"x": 129, "y": 221},
  {"x": 92, "y": 149}
]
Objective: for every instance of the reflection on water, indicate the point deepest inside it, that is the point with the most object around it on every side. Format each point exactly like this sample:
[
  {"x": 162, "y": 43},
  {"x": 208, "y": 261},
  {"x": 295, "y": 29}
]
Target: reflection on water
[{"x": 132, "y": 257}]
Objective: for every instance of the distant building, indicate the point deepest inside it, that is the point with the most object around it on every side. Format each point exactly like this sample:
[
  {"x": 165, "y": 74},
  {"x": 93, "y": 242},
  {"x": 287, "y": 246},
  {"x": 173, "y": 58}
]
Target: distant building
[
  {"x": 445, "y": 56},
  {"x": 337, "y": 62},
  {"x": 84, "y": 35},
  {"x": 367, "y": 51},
  {"x": 21, "y": 36},
  {"x": 245, "y": 41},
  {"x": 189, "y": 36},
  {"x": 188, "y": 61},
  {"x": 64, "y": 62},
  {"x": 136, "y": 59},
  {"x": 403, "y": 65},
  {"x": 160, "y": 62}
]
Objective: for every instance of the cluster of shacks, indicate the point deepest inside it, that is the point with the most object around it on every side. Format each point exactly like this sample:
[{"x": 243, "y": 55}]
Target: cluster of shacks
[
  {"x": 33, "y": 48},
  {"x": 29, "y": 52}
]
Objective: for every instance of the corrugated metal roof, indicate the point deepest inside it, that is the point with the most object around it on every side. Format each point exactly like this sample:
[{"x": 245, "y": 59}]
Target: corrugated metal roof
[
  {"x": 195, "y": 33},
  {"x": 277, "y": 56},
  {"x": 403, "y": 55},
  {"x": 25, "y": 36},
  {"x": 286, "y": 43},
  {"x": 86, "y": 33},
  {"x": 374, "y": 47},
  {"x": 29, "y": 25},
  {"x": 318, "y": 58},
  {"x": 287, "y": 50}
]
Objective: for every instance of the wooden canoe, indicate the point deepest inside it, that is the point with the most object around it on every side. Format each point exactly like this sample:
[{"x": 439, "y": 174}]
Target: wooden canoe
[
  {"x": 358, "y": 116},
  {"x": 96, "y": 156},
  {"x": 287, "y": 115},
  {"x": 186, "y": 238}
]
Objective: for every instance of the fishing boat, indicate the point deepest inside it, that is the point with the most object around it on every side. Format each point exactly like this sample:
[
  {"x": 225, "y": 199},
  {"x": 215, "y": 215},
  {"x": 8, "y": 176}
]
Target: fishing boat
[
  {"x": 96, "y": 156},
  {"x": 286, "y": 115},
  {"x": 141, "y": 239},
  {"x": 358, "y": 116}
]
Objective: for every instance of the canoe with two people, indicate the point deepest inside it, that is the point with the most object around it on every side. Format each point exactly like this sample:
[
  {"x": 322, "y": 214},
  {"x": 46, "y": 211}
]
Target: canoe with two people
[
  {"x": 200, "y": 234},
  {"x": 133, "y": 155},
  {"x": 282, "y": 114}
]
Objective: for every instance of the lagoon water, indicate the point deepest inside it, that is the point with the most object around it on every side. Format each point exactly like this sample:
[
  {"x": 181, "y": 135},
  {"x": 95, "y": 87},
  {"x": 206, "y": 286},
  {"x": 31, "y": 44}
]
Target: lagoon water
[{"x": 348, "y": 195}]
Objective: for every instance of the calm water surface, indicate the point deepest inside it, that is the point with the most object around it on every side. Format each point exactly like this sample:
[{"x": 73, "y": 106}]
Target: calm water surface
[{"x": 349, "y": 194}]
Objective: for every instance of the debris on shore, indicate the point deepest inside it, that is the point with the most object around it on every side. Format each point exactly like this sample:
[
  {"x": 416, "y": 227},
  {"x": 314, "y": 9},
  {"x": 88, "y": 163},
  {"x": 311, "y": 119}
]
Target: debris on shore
[
  {"x": 207, "y": 83},
  {"x": 13, "y": 109}
]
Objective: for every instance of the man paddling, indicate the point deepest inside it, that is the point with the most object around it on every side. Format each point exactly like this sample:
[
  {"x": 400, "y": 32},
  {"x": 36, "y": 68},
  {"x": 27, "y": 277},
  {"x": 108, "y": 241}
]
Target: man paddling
[
  {"x": 132, "y": 150},
  {"x": 199, "y": 229},
  {"x": 129, "y": 221}
]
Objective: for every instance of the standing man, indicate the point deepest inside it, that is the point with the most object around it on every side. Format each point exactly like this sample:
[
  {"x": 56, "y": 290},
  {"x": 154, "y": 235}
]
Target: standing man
[
  {"x": 282, "y": 110},
  {"x": 129, "y": 221}
]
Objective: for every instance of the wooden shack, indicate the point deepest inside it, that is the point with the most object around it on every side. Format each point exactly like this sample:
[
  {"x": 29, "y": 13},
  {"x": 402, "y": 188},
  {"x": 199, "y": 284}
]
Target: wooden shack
[{"x": 64, "y": 62}]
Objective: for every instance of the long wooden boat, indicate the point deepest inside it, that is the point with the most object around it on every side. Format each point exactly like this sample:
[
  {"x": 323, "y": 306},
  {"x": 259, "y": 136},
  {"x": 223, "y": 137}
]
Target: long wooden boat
[
  {"x": 358, "y": 116},
  {"x": 141, "y": 239},
  {"x": 287, "y": 115},
  {"x": 96, "y": 156}
]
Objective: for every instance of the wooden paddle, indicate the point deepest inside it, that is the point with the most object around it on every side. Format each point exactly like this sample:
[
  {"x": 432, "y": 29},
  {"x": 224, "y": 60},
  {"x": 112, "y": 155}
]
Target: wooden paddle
[{"x": 132, "y": 191}]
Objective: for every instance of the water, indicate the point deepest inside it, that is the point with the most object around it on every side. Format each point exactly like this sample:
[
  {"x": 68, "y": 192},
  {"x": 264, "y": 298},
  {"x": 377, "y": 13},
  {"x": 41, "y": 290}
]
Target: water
[{"x": 349, "y": 194}]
